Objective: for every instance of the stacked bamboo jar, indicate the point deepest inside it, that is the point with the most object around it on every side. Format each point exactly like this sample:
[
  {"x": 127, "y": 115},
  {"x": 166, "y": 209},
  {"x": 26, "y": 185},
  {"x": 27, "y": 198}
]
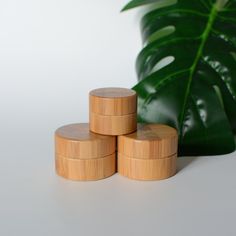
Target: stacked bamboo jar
[{"x": 88, "y": 151}]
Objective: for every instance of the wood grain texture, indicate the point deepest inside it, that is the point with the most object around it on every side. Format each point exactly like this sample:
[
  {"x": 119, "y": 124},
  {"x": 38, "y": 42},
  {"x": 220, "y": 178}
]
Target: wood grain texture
[
  {"x": 91, "y": 169},
  {"x": 150, "y": 141},
  {"x": 113, "y": 125},
  {"x": 143, "y": 169},
  {"x": 113, "y": 101},
  {"x": 76, "y": 141}
]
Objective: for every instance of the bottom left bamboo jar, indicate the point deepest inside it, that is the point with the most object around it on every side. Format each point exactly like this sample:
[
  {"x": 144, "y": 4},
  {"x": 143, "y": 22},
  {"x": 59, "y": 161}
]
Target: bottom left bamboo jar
[{"x": 83, "y": 155}]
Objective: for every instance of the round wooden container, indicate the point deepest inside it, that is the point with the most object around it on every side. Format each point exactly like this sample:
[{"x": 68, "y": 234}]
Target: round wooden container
[
  {"x": 83, "y": 155},
  {"x": 113, "y": 111},
  {"x": 150, "y": 153}
]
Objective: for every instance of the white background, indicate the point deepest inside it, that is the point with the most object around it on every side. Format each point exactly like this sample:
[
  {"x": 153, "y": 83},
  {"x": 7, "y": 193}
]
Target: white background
[{"x": 52, "y": 52}]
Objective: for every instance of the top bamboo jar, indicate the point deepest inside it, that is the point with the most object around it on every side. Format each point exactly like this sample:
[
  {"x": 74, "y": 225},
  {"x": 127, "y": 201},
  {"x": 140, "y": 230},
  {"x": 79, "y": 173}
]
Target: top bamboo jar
[{"x": 113, "y": 111}]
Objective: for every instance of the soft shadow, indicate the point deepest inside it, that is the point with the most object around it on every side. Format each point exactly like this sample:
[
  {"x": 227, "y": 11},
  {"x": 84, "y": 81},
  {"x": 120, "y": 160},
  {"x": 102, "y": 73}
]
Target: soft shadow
[{"x": 183, "y": 162}]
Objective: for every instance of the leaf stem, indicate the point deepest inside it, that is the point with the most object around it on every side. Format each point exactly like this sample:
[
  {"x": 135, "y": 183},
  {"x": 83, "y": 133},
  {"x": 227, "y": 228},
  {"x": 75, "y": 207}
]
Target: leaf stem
[{"x": 211, "y": 19}]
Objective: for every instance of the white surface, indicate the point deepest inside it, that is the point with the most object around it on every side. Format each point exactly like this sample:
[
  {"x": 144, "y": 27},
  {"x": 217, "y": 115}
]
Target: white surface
[{"x": 51, "y": 54}]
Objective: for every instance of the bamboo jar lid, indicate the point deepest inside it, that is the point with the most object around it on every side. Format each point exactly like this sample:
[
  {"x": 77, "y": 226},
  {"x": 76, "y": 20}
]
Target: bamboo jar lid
[
  {"x": 113, "y": 101},
  {"x": 150, "y": 153},
  {"x": 150, "y": 141},
  {"x": 83, "y": 155},
  {"x": 113, "y": 111}
]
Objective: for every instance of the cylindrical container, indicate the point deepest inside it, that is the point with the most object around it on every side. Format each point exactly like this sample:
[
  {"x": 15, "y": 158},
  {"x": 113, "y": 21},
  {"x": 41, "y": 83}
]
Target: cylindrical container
[
  {"x": 150, "y": 153},
  {"x": 113, "y": 111},
  {"x": 83, "y": 155}
]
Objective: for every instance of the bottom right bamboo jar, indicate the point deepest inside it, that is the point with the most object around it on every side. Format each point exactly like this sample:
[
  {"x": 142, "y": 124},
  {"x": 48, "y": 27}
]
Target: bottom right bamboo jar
[{"x": 150, "y": 153}]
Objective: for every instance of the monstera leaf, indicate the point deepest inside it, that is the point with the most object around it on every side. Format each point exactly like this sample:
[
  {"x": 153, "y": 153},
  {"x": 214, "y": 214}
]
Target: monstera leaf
[{"x": 187, "y": 72}]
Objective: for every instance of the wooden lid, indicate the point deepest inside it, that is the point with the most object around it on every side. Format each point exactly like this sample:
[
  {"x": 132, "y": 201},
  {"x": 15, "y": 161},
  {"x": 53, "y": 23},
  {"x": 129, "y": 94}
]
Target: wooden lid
[
  {"x": 76, "y": 141},
  {"x": 150, "y": 141},
  {"x": 113, "y": 101}
]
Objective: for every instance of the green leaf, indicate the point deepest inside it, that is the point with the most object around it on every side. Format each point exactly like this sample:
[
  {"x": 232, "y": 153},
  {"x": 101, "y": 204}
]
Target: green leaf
[
  {"x": 152, "y": 4},
  {"x": 137, "y": 3},
  {"x": 196, "y": 91}
]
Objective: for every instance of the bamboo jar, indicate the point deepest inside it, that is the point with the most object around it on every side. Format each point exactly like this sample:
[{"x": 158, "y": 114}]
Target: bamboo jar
[
  {"x": 83, "y": 155},
  {"x": 113, "y": 111},
  {"x": 150, "y": 153}
]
